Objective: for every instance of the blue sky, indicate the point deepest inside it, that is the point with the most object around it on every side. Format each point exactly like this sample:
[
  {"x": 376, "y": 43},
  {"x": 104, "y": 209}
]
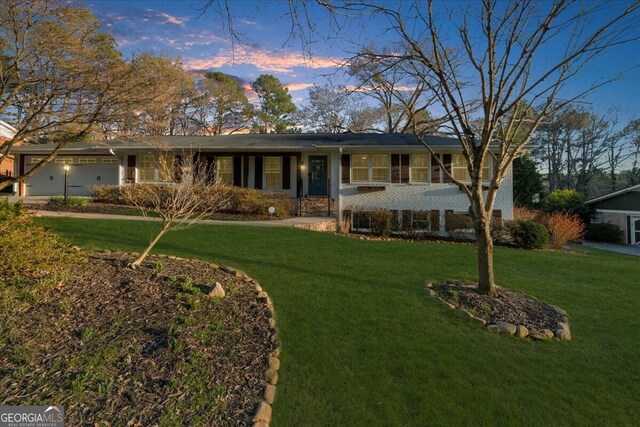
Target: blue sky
[{"x": 178, "y": 28}]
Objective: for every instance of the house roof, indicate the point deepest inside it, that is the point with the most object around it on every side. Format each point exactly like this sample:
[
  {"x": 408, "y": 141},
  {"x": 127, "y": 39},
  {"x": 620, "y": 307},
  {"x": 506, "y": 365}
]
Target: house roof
[
  {"x": 614, "y": 194},
  {"x": 255, "y": 142}
]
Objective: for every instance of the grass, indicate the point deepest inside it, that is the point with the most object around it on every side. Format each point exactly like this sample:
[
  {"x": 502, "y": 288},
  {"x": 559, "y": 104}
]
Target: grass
[{"x": 363, "y": 345}]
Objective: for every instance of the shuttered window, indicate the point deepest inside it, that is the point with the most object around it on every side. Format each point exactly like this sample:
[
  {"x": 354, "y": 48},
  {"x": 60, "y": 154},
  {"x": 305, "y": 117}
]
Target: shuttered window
[
  {"x": 146, "y": 169},
  {"x": 154, "y": 169},
  {"x": 420, "y": 167},
  {"x": 273, "y": 172},
  {"x": 224, "y": 169}
]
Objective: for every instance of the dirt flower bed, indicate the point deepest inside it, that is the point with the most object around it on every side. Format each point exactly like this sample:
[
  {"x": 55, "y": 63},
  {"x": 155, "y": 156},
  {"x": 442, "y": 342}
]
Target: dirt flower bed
[
  {"x": 141, "y": 347},
  {"x": 508, "y": 310}
]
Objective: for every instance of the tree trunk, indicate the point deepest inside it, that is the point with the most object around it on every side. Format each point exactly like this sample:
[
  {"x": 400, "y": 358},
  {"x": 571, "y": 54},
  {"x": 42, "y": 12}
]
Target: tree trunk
[
  {"x": 484, "y": 245},
  {"x": 144, "y": 254}
]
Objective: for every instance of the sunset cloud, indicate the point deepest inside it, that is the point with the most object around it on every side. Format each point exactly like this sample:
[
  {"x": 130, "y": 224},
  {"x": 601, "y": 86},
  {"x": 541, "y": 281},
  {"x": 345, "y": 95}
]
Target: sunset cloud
[
  {"x": 280, "y": 62},
  {"x": 297, "y": 86},
  {"x": 170, "y": 19}
]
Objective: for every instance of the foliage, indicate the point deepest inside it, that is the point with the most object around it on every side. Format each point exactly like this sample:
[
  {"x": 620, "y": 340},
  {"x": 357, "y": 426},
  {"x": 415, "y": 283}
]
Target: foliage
[
  {"x": 527, "y": 181},
  {"x": 521, "y": 213},
  {"x": 564, "y": 227},
  {"x": 32, "y": 261},
  {"x": 530, "y": 235},
  {"x": 602, "y": 232},
  {"x": 250, "y": 201},
  {"x": 106, "y": 193},
  {"x": 276, "y": 106},
  {"x": 383, "y": 222},
  {"x": 568, "y": 201},
  {"x": 68, "y": 201},
  {"x": 223, "y": 106}
]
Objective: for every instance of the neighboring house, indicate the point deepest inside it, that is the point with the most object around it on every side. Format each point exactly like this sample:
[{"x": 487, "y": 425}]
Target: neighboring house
[
  {"x": 621, "y": 208},
  {"x": 342, "y": 172},
  {"x": 7, "y": 163}
]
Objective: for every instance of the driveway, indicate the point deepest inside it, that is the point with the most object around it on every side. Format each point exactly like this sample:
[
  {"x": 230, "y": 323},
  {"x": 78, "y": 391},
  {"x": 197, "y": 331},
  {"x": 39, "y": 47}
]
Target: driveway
[{"x": 623, "y": 249}]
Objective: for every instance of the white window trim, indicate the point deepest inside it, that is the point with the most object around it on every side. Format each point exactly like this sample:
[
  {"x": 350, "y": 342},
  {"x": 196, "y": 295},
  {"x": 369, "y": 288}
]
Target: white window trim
[
  {"x": 35, "y": 160},
  {"x": 87, "y": 161},
  {"x": 64, "y": 160},
  {"x": 109, "y": 161},
  {"x": 264, "y": 173}
]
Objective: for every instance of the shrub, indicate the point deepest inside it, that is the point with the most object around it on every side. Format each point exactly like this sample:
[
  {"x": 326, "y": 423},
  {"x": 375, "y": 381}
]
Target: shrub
[
  {"x": 383, "y": 222},
  {"x": 530, "y": 235},
  {"x": 568, "y": 201},
  {"x": 69, "y": 201},
  {"x": 526, "y": 214},
  {"x": 563, "y": 227},
  {"x": 608, "y": 233},
  {"x": 106, "y": 193},
  {"x": 257, "y": 202}
]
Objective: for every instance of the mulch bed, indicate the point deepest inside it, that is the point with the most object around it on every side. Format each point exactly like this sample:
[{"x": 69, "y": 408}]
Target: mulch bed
[
  {"x": 506, "y": 306},
  {"x": 141, "y": 347}
]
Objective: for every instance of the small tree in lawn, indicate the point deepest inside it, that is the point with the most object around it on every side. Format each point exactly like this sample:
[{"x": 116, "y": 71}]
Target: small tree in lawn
[{"x": 188, "y": 192}]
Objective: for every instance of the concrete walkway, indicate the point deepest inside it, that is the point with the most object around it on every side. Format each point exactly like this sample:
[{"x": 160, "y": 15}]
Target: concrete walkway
[
  {"x": 298, "y": 222},
  {"x": 623, "y": 249}
]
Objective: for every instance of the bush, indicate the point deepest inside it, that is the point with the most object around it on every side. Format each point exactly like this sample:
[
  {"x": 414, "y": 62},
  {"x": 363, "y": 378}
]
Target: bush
[
  {"x": 563, "y": 227},
  {"x": 106, "y": 193},
  {"x": 70, "y": 201},
  {"x": 608, "y": 233},
  {"x": 257, "y": 202},
  {"x": 571, "y": 201},
  {"x": 383, "y": 222},
  {"x": 530, "y": 235},
  {"x": 527, "y": 214}
]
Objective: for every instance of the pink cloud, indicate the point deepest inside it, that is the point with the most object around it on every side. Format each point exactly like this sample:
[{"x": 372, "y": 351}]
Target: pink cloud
[
  {"x": 170, "y": 19},
  {"x": 297, "y": 86},
  {"x": 280, "y": 62}
]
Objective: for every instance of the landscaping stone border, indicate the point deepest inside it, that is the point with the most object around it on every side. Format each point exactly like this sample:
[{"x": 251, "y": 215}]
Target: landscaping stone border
[
  {"x": 562, "y": 332},
  {"x": 262, "y": 416}
]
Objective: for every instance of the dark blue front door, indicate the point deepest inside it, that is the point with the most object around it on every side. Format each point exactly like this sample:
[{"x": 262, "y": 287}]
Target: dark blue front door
[{"x": 317, "y": 175}]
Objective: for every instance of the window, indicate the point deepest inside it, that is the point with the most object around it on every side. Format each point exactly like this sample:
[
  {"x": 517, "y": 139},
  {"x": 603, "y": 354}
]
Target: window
[
  {"x": 460, "y": 171},
  {"x": 420, "y": 167},
  {"x": 224, "y": 169},
  {"x": 166, "y": 168},
  {"x": 146, "y": 169},
  {"x": 109, "y": 160},
  {"x": 380, "y": 167},
  {"x": 86, "y": 160},
  {"x": 598, "y": 217},
  {"x": 370, "y": 167},
  {"x": 35, "y": 160},
  {"x": 65, "y": 160},
  {"x": 360, "y": 167},
  {"x": 272, "y": 172}
]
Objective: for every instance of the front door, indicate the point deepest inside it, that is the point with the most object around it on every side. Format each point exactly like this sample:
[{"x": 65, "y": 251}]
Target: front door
[
  {"x": 635, "y": 230},
  {"x": 317, "y": 175}
]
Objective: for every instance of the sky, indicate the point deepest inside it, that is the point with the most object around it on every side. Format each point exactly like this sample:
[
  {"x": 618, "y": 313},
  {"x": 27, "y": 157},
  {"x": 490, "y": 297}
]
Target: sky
[{"x": 264, "y": 46}]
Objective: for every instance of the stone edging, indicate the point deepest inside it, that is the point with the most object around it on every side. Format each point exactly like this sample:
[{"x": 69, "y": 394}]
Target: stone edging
[
  {"x": 262, "y": 416},
  {"x": 563, "y": 332}
]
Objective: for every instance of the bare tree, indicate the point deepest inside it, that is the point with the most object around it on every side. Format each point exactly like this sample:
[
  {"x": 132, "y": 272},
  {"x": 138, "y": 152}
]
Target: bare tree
[
  {"x": 189, "y": 191},
  {"x": 492, "y": 68}
]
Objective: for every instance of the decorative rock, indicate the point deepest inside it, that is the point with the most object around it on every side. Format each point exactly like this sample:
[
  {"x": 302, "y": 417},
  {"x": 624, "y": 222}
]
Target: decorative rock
[
  {"x": 276, "y": 352},
  {"x": 229, "y": 270},
  {"x": 506, "y": 328},
  {"x": 274, "y": 363},
  {"x": 547, "y": 333},
  {"x": 446, "y": 304},
  {"x": 271, "y": 376},
  {"x": 75, "y": 248},
  {"x": 269, "y": 393},
  {"x": 260, "y": 424},
  {"x": 478, "y": 320},
  {"x": 214, "y": 266},
  {"x": 522, "y": 332},
  {"x": 217, "y": 291},
  {"x": 564, "y": 326},
  {"x": 565, "y": 319},
  {"x": 537, "y": 335},
  {"x": 271, "y": 314},
  {"x": 258, "y": 288},
  {"x": 429, "y": 285},
  {"x": 561, "y": 334},
  {"x": 559, "y": 310},
  {"x": 263, "y": 297},
  {"x": 431, "y": 292},
  {"x": 493, "y": 328},
  {"x": 263, "y": 413},
  {"x": 272, "y": 323},
  {"x": 464, "y": 314}
]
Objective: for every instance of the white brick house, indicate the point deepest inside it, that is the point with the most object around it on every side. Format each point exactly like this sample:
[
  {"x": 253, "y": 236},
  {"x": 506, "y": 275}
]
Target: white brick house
[{"x": 345, "y": 172}]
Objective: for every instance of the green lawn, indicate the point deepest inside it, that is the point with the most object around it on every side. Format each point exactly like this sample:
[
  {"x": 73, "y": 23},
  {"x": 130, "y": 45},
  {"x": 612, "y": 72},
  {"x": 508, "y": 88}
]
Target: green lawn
[{"x": 363, "y": 345}]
